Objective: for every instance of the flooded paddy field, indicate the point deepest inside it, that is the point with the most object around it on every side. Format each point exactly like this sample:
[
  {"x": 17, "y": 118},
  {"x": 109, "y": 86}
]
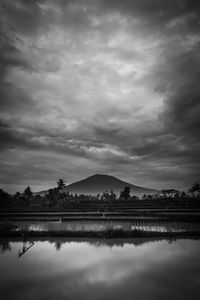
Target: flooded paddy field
[
  {"x": 94, "y": 269},
  {"x": 99, "y": 256},
  {"x": 158, "y": 225}
]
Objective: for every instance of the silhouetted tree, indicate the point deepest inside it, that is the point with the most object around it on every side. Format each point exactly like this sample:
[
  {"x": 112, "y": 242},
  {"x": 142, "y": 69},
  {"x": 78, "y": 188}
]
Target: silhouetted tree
[
  {"x": 60, "y": 184},
  {"x": 183, "y": 194},
  {"x": 112, "y": 196},
  {"x": 27, "y": 195},
  {"x": 27, "y": 192},
  {"x": 17, "y": 198},
  {"x": 52, "y": 196},
  {"x": 5, "y": 198},
  {"x": 195, "y": 189},
  {"x": 125, "y": 194},
  {"x": 17, "y": 195}
]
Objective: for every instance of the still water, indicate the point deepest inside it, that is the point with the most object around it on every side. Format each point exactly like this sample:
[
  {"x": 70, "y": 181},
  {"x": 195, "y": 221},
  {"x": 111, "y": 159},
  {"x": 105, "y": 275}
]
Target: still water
[
  {"x": 115, "y": 269},
  {"x": 161, "y": 225}
]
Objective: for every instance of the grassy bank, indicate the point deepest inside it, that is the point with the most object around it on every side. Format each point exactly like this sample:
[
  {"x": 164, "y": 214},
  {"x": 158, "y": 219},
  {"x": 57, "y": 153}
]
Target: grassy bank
[
  {"x": 130, "y": 218},
  {"x": 179, "y": 216}
]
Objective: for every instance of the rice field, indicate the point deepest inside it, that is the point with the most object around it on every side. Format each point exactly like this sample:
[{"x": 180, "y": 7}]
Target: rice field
[{"x": 85, "y": 225}]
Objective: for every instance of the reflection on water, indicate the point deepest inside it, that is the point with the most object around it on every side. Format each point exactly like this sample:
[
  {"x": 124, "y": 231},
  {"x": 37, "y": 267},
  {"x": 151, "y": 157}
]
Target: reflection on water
[
  {"x": 123, "y": 269},
  {"x": 5, "y": 245},
  {"x": 161, "y": 226},
  {"x": 25, "y": 248}
]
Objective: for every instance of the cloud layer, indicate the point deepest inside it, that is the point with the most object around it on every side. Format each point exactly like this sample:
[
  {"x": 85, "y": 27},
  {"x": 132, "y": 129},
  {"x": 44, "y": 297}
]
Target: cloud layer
[{"x": 99, "y": 86}]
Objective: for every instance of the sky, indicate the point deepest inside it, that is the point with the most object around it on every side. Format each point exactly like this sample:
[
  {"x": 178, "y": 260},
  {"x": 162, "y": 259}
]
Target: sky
[{"x": 99, "y": 86}]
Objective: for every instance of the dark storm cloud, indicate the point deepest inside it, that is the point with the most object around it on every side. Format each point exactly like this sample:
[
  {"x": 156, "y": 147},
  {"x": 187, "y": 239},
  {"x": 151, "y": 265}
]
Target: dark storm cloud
[
  {"x": 155, "y": 12},
  {"x": 183, "y": 106},
  {"x": 26, "y": 16},
  {"x": 177, "y": 75},
  {"x": 10, "y": 55},
  {"x": 36, "y": 17},
  {"x": 114, "y": 83},
  {"x": 66, "y": 142},
  {"x": 13, "y": 98}
]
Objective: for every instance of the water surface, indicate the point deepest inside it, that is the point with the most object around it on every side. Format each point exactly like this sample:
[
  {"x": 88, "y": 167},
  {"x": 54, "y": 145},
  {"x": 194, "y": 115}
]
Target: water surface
[
  {"x": 121, "y": 269},
  {"x": 84, "y": 225}
]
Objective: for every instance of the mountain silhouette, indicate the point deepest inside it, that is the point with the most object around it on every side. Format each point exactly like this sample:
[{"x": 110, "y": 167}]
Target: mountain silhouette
[{"x": 100, "y": 183}]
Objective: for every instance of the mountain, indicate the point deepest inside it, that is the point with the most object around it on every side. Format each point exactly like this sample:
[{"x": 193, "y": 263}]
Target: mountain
[{"x": 100, "y": 183}]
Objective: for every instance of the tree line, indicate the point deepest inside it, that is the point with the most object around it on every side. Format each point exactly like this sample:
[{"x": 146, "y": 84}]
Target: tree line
[{"x": 59, "y": 197}]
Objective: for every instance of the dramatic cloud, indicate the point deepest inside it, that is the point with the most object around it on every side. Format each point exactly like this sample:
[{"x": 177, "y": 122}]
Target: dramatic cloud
[{"x": 98, "y": 86}]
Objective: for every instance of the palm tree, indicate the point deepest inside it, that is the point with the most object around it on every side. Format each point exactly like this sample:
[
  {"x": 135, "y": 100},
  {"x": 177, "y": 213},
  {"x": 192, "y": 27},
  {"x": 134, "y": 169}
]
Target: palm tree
[{"x": 60, "y": 184}]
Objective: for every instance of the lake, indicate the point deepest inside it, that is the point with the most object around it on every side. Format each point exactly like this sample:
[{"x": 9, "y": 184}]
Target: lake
[{"x": 92, "y": 269}]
